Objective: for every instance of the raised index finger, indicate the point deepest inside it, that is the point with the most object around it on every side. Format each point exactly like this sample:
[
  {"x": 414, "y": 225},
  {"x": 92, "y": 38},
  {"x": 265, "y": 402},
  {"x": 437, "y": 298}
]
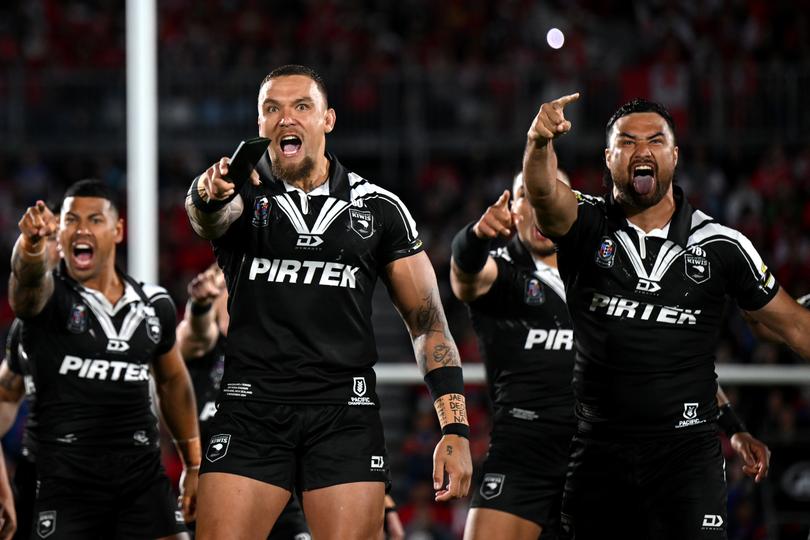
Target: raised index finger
[{"x": 559, "y": 103}]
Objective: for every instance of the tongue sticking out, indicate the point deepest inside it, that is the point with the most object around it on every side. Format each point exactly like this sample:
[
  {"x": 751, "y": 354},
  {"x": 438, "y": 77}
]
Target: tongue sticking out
[{"x": 643, "y": 184}]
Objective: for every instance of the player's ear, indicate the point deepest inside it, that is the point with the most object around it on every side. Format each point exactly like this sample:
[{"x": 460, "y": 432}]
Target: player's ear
[
  {"x": 607, "y": 158},
  {"x": 119, "y": 231},
  {"x": 675, "y": 150},
  {"x": 329, "y": 120}
]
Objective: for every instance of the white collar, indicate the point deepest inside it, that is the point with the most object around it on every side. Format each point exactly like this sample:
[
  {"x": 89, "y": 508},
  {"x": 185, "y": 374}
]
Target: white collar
[
  {"x": 97, "y": 297},
  {"x": 655, "y": 233},
  {"x": 323, "y": 189}
]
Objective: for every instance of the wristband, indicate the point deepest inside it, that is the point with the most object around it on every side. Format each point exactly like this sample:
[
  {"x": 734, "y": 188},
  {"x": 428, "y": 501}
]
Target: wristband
[
  {"x": 729, "y": 422},
  {"x": 469, "y": 251},
  {"x": 445, "y": 380},
  {"x": 462, "y": 430},
  {"x": 199, "y": 309},
  {"x": 389, "y": 509},
  {"x": 210, "y": 206}
]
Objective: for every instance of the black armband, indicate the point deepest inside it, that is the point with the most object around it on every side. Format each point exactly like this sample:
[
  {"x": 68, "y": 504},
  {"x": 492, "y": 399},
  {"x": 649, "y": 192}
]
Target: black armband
[
  {"x": 729, "y": 422},
  {"x": 389, "y": 509},
  {"x": 209, "y": 207},
  {"x": 462, "y": 430},
  {"x": 445, "y": 380},
  {"x": 469, "y": 251},
  {"x": 199, "y": 309}
]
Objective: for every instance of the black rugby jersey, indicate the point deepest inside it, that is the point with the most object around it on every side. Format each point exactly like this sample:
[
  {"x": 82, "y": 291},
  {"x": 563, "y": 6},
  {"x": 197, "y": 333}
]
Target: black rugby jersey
[
  {"x": 90, "y": 360},
  {"x": 301, "y": 270},
  {"x": 206, "y": 375},
  {"x": 18, "y": 364},
  {"x": 647, "y": 312},
  {"x": 526, "y": 337}
]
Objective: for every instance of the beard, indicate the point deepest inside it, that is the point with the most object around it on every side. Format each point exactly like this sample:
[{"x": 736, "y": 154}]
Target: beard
[
  {"x": 627, "y": 194},
  {"x": 293, "y": 173}
]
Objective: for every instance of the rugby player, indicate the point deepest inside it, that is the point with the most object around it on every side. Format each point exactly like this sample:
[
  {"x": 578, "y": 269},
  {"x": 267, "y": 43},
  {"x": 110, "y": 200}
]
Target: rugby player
[
  {"x": 646, "y": 277},
  {"x": 201, "y": 336},
  {"x": 90, "y": 334},
  {"x": 301, "y": 246},
  {"x": 517, "y": 305}
]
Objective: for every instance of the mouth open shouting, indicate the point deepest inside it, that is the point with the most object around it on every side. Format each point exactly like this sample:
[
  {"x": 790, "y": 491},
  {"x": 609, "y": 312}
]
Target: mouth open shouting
[
  {"x": 82, "y": 254},
  {"x": 643, "y": 175},
  {"x": 290, "y": 145}
]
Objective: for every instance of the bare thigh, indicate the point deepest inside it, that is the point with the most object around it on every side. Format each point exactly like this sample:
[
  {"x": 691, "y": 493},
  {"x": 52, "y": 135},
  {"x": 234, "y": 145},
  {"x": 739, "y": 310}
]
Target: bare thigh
[
  {"x": 233, "y": 507},
  {"x": 353, "y": 511},
  {"x": 485, "y": 523}
]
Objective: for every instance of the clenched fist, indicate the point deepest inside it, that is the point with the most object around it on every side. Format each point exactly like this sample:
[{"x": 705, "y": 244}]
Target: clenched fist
[
  {"x": 207, "y": 286},
  {"x": 550, "y": 121}
]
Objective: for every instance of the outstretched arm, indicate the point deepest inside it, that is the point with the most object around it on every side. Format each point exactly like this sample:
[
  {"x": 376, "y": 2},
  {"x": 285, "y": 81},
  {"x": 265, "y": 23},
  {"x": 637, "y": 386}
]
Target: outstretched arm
[
  {"x": 31, "y": 283},
  {"x": 179, "y": 410},
  {"x": 554, "y": 202},
  {"x": 412, "y": 284},
  {"x": 787, "y": 320},
  {"x": 472, "y": 270},
  {"x": 210, "y": 203}
]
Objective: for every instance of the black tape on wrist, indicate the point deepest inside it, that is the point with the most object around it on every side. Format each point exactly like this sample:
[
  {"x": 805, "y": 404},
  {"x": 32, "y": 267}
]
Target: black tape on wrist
[
  {"x": 199, "y": 309},
  {"x": 210, "y": 206},
  {"x": 445, "y": 380},
  {"x": 469, "y": 251},
  {"x": 462, "y": 430},
  {"x": 729, "y": 422}
]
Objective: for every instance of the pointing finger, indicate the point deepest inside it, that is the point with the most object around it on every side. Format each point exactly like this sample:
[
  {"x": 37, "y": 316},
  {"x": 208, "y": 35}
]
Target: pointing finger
[
  {"x": 503, "y": 200},
  {"x": 565, "y": 100}
]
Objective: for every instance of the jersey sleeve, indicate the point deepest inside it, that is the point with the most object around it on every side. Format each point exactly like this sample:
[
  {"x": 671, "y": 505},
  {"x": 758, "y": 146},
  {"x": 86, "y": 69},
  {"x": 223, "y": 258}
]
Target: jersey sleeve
[
  {"x": 166, "y": 312},
  {"x": 12, "y": 351},
  {"x": 577, "y": 247},
  {"x": 399, "y": 236},
  {"x": 748, "y": 279}
]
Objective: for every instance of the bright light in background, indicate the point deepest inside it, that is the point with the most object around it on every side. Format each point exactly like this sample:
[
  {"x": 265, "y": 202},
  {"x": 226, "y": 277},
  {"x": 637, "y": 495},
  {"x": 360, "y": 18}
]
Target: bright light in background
[{"x": 555, "y": 38}]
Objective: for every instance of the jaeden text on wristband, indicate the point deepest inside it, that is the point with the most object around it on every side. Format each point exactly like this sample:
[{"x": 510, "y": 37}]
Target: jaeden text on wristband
[
  {"x": 446, "y": 386},
  {"x": 470, "y": 252},
  {"x": 729, "y": 422}
]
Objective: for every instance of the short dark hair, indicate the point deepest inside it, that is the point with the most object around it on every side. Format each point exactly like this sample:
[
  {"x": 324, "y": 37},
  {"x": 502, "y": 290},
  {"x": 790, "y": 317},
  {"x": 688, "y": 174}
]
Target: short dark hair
[
  {"x": 297, "y": 69},
  {"x": 640, "y": 105},
  {"x": 90, "y": 187}
]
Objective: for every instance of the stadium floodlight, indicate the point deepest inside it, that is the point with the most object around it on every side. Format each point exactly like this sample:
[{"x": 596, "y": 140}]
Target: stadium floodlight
[{"x": 555, "y": 38}]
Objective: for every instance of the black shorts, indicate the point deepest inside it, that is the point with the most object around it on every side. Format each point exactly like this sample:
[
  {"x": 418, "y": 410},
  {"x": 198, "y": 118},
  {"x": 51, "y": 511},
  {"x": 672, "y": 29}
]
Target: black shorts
[
  {"x": 524, "y": 471},
  {"x": 84, "y": 494},
  {"x": 297, "y": 448},
  {"x": 665, "y": 488},
  {"x": 25, "y": 495}
]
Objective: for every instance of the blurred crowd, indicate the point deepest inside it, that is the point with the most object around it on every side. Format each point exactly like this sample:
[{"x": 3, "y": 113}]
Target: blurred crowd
[{"x": 433, "y": 100}]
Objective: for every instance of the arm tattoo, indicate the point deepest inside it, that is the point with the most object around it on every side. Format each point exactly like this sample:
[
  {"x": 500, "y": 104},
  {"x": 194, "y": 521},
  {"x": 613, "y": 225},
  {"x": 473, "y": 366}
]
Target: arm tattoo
[
  {"x": 428, "y": 315},
  {"x": 449, "y": 450},
  {"x": 445, "y": 355}
]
